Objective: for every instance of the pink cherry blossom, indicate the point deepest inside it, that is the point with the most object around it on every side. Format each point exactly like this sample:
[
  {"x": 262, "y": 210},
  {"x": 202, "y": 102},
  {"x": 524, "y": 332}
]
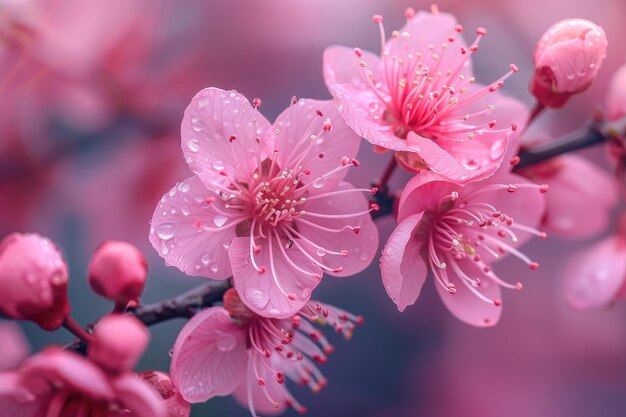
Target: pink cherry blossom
[
  {"x": 14, "y": 346},
  {"x": 33, "y": 280},
  {"x": 119, "y": 342},
  {"x": 118, "y": 271},
  {"x": 421, "y": 100},
  {"x": 162, "y": 383},
  {"x": 58, "y": 383},
  {"x": 567, "y": 59},
  {"x": 573, "y": 179},
  {"x": 231, "y": 350},
  {"x": 456, "y": 233},
  {"x": 596, "y": 276},
  {"x": 268, "y": 204}
]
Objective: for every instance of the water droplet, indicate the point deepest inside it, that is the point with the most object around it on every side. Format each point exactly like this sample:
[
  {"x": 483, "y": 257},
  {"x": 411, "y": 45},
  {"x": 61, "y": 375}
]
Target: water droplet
[
  {"x": 183, "y": 187},
  {"x": 219, "y": 220},
  {"x": 363, "y": 256},
  {"x": 226, "y": 245},
  {"x": 470, "y": 163},
  {"x": 318, "y": 183},
  {"x": 570, "y": 76},
  {"x": 497, "y": 149},
  {"x": 321, "y": 252},
  {"x": 185, "y": 210},
  {"x": 171, "y": 352},
  {"x": 193, "y": 145},
  {"x": 213, "y": 267},
  {"x": 226, "y": 343},
  {"x": 205, "y": 259},
  {"x": 218, "y": 165},
  {"x": 165, "y": 231},
  {"x": 257, "y": 297}
]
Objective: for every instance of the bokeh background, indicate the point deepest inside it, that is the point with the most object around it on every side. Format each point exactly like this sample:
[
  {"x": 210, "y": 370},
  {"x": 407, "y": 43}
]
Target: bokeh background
[{"x": 90, "y": 109}]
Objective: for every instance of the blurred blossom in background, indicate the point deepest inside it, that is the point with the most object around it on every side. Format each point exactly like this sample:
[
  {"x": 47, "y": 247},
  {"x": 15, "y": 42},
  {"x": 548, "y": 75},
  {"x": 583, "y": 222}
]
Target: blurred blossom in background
[{"x": 91, "y": 98}]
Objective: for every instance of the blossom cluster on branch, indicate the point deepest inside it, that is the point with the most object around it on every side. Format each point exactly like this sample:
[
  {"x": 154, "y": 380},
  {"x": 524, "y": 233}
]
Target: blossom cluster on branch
[{"x": 267, "y": 210}]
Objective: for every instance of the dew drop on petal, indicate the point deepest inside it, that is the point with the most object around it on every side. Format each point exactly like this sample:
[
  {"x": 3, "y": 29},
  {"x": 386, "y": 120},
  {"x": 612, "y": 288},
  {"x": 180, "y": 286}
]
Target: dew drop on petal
[
  {"x": 497, "y": 150},
  {"x": 226, "y": 343},
  {"x": 165, "y": 231},
  {"x": 226, "y": 245},
  {"x": 213, "y": 267},
  {"x": 193, "y": 145},
  {"x": 320, "y": 252},
  {"x": 219, "y": 220},
  {"x": 205, "y": 259},
  {"x": 318, "y": 183},
  {"x": 218, "y": 165},
  {"x": 257, "y": 297}
]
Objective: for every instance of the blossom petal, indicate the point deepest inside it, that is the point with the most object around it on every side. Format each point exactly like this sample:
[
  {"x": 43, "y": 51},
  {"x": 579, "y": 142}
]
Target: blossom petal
[
  {"x": 212, "y": 117},
  {"x": 138, "y": 397},
  {"x": 402, "y": 267},
  {"x": 341, "y": 66},
  {"x": 361, "y": 247},
  {"x": 595, "y": 276},
  {"x": 209, "y": 356},
  {"x": 423, "y": 193},
  {"x": 54, "y": 365},
  {"x": 465, "y": 304},
  {"x": 281, "y": 290},
  {"x": 190, "y": 231},
  {"x": 250, "y": 395},
  {"x": 362, "y": 110},
  {"x": 461, "y": 162},
  {"x": 564, "y": 215},
  {"x": 17, "y": 401},
  {"x": 296, "y": 125},
  {"x": 427, "y": 29}
]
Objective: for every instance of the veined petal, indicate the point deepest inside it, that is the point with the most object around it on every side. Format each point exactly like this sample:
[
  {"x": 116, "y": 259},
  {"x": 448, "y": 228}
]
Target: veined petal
[
  {"x": 250, "y": 395},
  {"x": 301, "y": 137},
  {"x": 284, "y": 284},
  {"x": 191, "y": 229},
  {"x": 341, "y": 66},
  {"x": 338, "y": 233},
  {"x": 402, "y": 267},
  {"x": 467, "y": 306},
  {"x": 219, "y": 133},
  {"x": 209, "y": 356}
]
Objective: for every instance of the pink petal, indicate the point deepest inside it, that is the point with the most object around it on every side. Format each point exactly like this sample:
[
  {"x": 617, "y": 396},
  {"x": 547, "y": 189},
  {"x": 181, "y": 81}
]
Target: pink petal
[
  {"x": 361, "y": 247},
  {"x": 573, "y": 179},
  {"x": 212, "y": 117},
  {"x": 209, "y": 356},
  {"x": 461, "y": 162},
  {"x": 301, "y": 121},
  {"x": 56, "y": 366},
  {"x": 427, "y": 29},
  {"x": 16, "y": 401},
  {"x": 341, "y": 66},
  {"x": 423, "y": 193},
  {"x": 616, "y": 95},
  {"x": 190, "y": 232},
  {"x": 138, "y": 397},
  {"x": 362, "y": 110},
  {"x": 595, "y": 276},
  {"x": 401, "y": 265},
  {"x": 282, "y": 289},
  {"x": 467, "y": 306},
  {"x": 250, "y": 395},
  {"x": 14, "y": 346}
]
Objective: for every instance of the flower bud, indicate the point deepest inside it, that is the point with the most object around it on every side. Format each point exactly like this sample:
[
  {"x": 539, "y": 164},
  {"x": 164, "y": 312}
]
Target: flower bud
[
  {"x": 175, "y": 405},
  {"x": 33, "y": 280},
  {"x": 119, "y": 342},
  {"x": 118, "y": 271},
  {"x": 616, "y": 96},
  {"x": 567, "y": 59}
]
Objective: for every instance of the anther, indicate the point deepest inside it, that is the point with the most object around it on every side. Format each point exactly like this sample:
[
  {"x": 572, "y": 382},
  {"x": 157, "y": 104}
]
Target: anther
[
  {"x": 515, "y": 160},
  {"x": 358, "y": 52},
  {"x": 374, "y": 190},
  {"x": 374, "y": 206},
  {"x": 355, "y": 163},
  {"x": 543, "y": 188},
  {"x": 497, "y": 302},
  {"x": 533, "y": 265},
  {"x": 511, "y": 188},
  {"x": 519, "y": 286},
  {"x": 377, "y": 18},
  {"x": 409, "y": 13},
  {"x": 481, "y": 31},
  {"x": 232, "y": 138},
  {"x": 356, "y": 230},
  {"x": 319, "y": 113},
  {"x": 256, "y": 103}
]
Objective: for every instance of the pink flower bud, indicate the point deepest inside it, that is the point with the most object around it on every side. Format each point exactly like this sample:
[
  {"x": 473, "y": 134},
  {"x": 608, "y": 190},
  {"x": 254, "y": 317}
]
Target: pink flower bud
[
  {"x": 616, "y": 96},
  {"x": 118, "y": 271},
  {"x": 567, "y": 59},
  {"x": 175, "y": 405},
  {"x": 33, "y": 280},
  {"x": 119, "y": 342}
]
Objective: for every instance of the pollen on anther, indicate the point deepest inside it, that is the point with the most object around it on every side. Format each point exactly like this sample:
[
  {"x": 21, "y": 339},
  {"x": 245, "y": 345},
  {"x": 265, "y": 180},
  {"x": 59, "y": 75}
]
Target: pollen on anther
[
  {"x": 256, "y": 103},
  {"x": 481, "y": 31},
  {"x": 377, "y": 18},
  {"x": 375, "y": 207},
  {"x": 533, "y": 265},
  {"x": 497, "y": 302},
  {"x": 515, "y": 160}
]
